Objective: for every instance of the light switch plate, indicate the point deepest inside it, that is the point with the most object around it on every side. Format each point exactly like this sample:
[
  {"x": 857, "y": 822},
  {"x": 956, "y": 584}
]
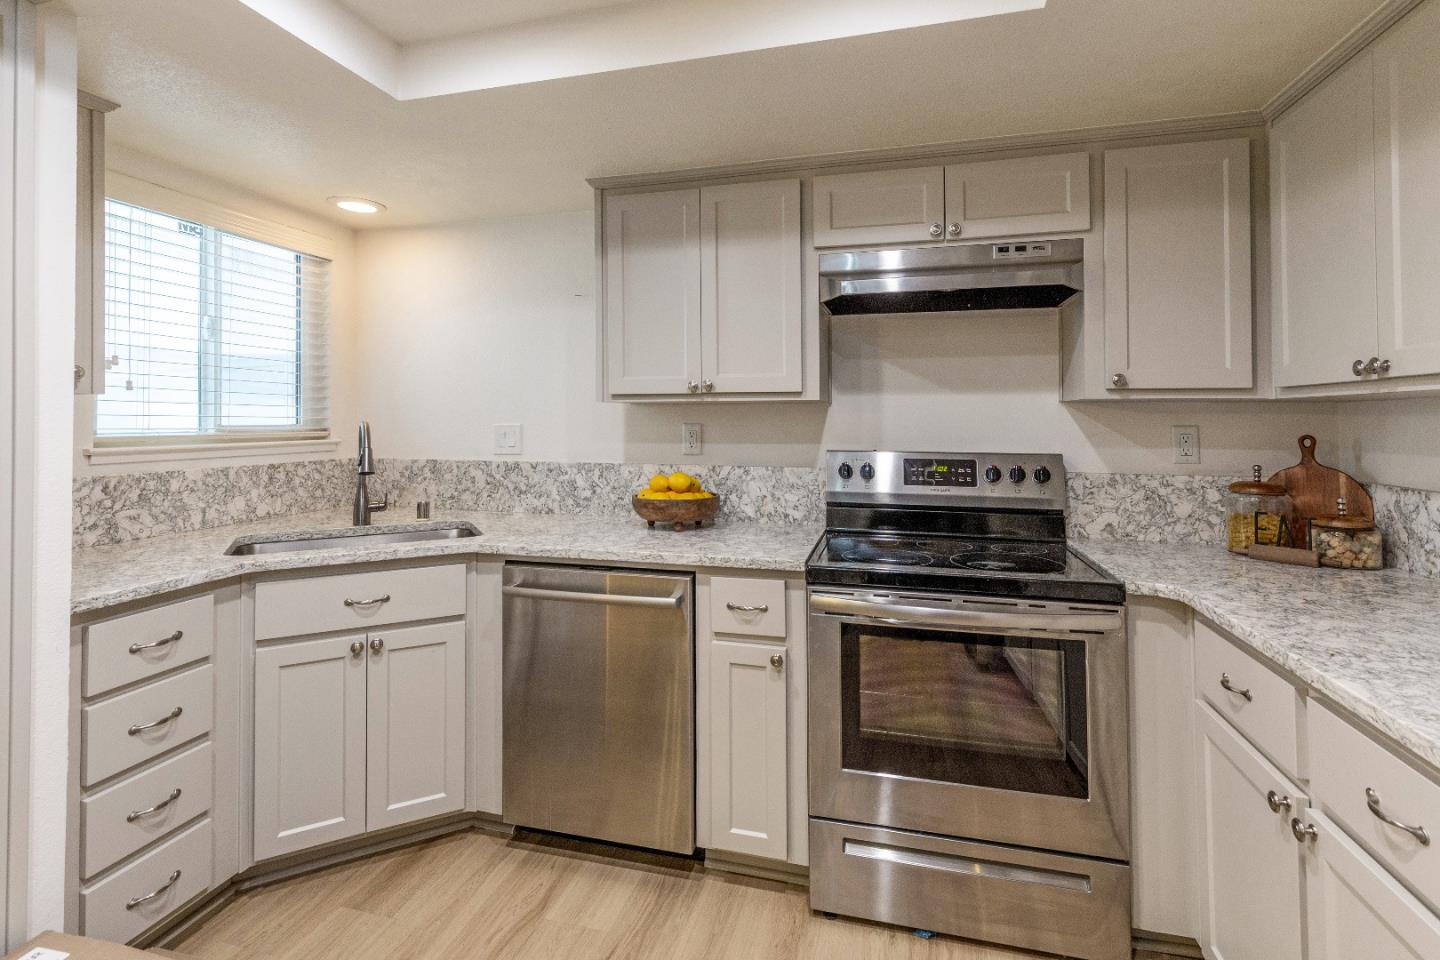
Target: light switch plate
[
  {"x": 1187, "y": 444},
  {"x": 691, "y": 439},
  {"x": 508, "y": 437}
]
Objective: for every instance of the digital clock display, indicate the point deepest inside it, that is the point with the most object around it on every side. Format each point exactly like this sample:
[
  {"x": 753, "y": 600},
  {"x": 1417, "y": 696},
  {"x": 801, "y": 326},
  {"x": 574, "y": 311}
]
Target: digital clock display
[{"x": 940, "y": 473}]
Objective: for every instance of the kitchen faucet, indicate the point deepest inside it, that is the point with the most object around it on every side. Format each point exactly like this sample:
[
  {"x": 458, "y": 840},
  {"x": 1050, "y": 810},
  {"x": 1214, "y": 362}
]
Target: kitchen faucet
[{"x": 364, "y": 506}]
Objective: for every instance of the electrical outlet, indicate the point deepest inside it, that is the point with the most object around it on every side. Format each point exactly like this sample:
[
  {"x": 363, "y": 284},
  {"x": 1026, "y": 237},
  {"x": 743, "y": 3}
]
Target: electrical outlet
[
  {"x": 1187, "y": 444},
  {"x": 508, "y": 439},
  {"x": 691, "y": 439}
]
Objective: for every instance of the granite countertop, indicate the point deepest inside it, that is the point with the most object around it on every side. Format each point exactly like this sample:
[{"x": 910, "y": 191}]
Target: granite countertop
[
  {"x": 1368, "y": 641},
  {"x": 107, "y": 576}
]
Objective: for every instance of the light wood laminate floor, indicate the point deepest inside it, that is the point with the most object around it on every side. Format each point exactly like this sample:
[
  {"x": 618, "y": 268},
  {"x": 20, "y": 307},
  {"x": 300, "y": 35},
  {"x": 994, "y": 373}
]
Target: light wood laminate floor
[{"x": 535, "y": 897}]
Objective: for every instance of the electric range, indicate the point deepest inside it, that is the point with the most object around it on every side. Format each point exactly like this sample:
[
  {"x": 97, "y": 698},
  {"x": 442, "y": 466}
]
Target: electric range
[{"x": 968, "y": 706}]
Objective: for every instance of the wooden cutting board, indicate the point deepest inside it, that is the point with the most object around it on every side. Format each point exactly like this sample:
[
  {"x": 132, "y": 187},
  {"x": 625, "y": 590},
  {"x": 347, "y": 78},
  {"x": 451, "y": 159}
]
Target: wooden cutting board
[{"x": 1315, "y": 487}]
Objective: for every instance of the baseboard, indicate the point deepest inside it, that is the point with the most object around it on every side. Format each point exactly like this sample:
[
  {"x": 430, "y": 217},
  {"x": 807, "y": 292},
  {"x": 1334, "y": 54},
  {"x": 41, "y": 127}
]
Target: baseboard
[
  {"x": 760, "y": 867},
  {"x": 1161, "y": 945}
]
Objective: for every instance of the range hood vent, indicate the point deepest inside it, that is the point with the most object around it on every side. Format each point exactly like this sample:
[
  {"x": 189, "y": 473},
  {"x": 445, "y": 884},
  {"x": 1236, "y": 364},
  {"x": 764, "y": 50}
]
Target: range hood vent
[{"x": 1013, "y": 275}]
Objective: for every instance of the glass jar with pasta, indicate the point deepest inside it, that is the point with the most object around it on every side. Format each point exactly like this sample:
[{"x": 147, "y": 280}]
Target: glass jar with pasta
[{"x": 1257, "y": 512}]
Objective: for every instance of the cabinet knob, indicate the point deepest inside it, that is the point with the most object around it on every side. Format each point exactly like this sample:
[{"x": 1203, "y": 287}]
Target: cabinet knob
[
  {"x": 79, "y": 373},
  {"x": 954, "y": 229},
  {"x": 708, "y": 386},
  {"x": 937, "y": 230},
  {"x": 1277, "y": 802},
  {"x": 777, "y": 661},
  {"x": 1303, "y": 831},
  {"x": 376, "y": 645},
  {"x": 693, "y": 387},
  {"x": 1118, "y": 380},
  {"x": 357, "y": 648},
  {"x": 1358, "y": 368}
]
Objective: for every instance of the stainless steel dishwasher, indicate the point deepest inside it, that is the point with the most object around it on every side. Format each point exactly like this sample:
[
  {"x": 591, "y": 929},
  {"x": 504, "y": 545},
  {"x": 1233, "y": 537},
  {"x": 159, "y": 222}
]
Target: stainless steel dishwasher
[{"x": 600, "y": 704}]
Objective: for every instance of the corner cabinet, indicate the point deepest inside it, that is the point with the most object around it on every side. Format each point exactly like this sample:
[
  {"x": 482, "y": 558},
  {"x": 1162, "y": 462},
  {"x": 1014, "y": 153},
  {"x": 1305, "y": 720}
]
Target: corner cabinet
[
  {"x": 704, "y": 293},
  {"x": 1356, "y": 222}
]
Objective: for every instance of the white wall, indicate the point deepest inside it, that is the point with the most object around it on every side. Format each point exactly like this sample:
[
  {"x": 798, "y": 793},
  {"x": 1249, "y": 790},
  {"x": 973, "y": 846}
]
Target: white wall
[
  {"x": 469, "y": 325},
  {"x": 173, "y": 176},
  {"x": 1392, "y": 441}
]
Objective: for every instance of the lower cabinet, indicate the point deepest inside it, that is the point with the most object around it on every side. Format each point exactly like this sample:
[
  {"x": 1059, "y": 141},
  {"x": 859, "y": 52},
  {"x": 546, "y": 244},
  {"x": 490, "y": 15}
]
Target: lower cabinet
[
  {"x": 1252, "y": 884},
  {"x": 357, "y": 732},
  {"x": 1356, "y": 908},
  {"x": 748, "y": 748}
]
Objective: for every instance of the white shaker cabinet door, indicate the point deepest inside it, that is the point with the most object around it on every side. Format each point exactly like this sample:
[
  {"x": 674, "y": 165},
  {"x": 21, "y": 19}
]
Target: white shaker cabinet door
[
  {"x": 1178, "y": 311},
  {"x": 416, "y": 721},
  {"x": 651, "y": 253},
  {"x": 749, "y": 799},
  {"x": 1356, "y": 908},
  {"x": 751, "y": 314},
  {"x": 879, "y": 207},
  {"x": 1322, "y": 163},
  {"x": 1251, "y": 861},
  {"x": 309, "y": 743},
  {"x": 1017, "y": 198},
  {"x": 1407, "y": 181}
]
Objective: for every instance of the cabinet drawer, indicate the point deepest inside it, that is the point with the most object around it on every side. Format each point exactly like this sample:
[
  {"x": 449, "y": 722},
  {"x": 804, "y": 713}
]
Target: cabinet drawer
[
  {"x": 115, "y": 822},
  {"x": 1258, "y": 702},
  {"x": 292, "y": 608},
  {"x": 183, "y": 703},
  {"x": 748, "y": 607},
  {"x": 1345, "y": 763},
  {"x": 109, "y": 909},
  {"x": 140, "y": 645}
]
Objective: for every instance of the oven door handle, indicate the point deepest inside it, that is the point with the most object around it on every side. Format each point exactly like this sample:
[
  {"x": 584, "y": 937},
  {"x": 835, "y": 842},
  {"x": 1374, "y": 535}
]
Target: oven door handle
[{"x": 1064, "y": 620}]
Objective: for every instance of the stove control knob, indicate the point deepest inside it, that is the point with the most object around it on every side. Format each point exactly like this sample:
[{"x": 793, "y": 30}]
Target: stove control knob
[
  {"x": 992, "y": 474},
  {"x": 846, "y": 471},
  {"x": 867, "y": 472},
  {"x": 1042, "y": 474},
  {"x": 1017, "y": 474}
]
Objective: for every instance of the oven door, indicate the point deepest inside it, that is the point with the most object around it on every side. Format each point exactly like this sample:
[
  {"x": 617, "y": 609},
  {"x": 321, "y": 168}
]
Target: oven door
[{"x": 998, "y": 720}]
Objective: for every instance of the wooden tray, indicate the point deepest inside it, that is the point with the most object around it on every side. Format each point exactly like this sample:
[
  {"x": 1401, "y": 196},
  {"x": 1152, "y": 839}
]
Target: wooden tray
[
  {"x": 1315, "y": 487},
  {"x": 677, "y": 513}
]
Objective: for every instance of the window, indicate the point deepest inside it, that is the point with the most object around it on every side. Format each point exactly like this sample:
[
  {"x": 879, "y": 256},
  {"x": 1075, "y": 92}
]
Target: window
[{"x": 208, "y": 335}]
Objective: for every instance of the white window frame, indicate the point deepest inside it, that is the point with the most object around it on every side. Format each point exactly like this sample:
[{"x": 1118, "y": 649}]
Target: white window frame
[{"x": 153, "y": 196}]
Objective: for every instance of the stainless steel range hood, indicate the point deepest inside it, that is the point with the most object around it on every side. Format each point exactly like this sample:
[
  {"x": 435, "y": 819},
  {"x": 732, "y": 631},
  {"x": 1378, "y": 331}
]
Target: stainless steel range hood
[{"x": 1011, "y": 275}]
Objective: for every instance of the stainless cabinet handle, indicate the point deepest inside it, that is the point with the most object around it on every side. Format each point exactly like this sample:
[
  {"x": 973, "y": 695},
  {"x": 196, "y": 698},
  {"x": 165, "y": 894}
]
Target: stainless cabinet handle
[
  {"x": 138, "y": 728},
  {"x": 708, "y": 386},
  {"x": 1372, "y": 800},
  {"x": 134, "y": 902},
  {"x": 937, "y": 230},
  {"x": 693, "y": 387},
  {"x": 954, "y": 229},
  {"x": 1278, "y": 802},
  {"x": 608, "y": 599},
  {"x": 1118, "y": 380},
  {"x": 377, "y": 645},
  {"x": 367, "y": 603},
  {"x": 1238, "y": 691},
  {"x": 162, "y": 642},
  {"x": 149, "y": 811},
  {"x": 357, "y": 648},
  {"x": 748, "y": 608},
  {"x": 1375, "y": 366},
  {"x": 777, "y": 661},
  {"x": 1303, "y": 831},
  {"x": 1358, "y": 368}
]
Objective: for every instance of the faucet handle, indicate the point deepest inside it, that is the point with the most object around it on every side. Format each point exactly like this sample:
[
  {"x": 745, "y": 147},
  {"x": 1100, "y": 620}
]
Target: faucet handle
[{"x": 377, "y": 505}]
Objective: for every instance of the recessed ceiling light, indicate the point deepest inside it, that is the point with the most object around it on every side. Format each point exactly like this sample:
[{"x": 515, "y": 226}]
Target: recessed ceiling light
[{"x": 358, "y": 204}]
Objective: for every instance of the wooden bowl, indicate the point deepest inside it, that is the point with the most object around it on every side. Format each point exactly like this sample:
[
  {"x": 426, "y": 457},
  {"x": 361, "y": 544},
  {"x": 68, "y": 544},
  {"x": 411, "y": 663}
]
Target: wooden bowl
[{"x": 677, "y": 513}]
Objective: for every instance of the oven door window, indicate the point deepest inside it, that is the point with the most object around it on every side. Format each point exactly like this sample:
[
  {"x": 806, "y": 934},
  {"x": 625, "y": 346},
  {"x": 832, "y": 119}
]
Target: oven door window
[{"x": 977, "y": 709}]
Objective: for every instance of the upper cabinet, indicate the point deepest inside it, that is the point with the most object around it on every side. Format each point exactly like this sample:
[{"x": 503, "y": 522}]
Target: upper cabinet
[
  {"x": 880, "y": 207},
  {"x": 704, "y": 293},
  {"x": 1178, "y": 310},
  {"x": 963, "y": 201},
  {"x": 1356, "y": 221}
]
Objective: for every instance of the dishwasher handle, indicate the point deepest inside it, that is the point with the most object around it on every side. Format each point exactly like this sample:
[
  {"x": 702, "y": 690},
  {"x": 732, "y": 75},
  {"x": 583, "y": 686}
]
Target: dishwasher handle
[{"x": 608, "y": 599}]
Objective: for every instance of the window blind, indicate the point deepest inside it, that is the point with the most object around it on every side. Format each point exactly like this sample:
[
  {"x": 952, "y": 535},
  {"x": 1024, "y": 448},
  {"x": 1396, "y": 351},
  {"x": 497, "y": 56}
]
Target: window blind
[{"x": 208, "y": 334}]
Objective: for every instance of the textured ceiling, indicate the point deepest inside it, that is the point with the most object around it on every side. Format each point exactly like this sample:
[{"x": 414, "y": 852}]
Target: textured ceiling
[{"x": 220, "y": 89}]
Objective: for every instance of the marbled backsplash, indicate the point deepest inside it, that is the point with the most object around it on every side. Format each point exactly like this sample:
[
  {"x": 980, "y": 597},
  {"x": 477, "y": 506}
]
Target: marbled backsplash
[{"x": 1154, "y": 508}]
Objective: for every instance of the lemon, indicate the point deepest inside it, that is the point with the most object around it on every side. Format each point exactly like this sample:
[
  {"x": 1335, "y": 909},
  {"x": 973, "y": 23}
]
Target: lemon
[
  {"x": 679, "y": 482},
  {"x": 659, "y": 482}
]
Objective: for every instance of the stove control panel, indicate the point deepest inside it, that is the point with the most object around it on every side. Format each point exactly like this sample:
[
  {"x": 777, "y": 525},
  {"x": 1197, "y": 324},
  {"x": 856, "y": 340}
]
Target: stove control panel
[{"x": 1033, "y": 481}]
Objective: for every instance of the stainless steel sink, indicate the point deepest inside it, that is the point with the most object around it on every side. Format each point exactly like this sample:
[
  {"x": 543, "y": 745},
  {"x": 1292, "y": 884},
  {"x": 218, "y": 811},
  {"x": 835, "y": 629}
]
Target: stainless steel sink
[{"x": 367, "y": 538}]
